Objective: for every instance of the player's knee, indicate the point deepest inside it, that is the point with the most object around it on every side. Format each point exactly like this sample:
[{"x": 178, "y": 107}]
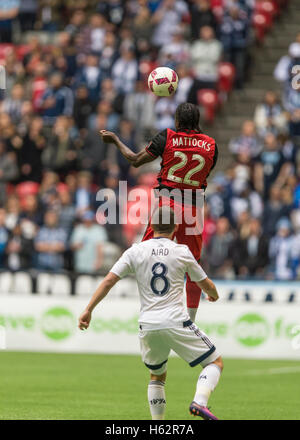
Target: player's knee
[
  {"x": 219, "y": 363},
  {"x": 159, "y": 377}
]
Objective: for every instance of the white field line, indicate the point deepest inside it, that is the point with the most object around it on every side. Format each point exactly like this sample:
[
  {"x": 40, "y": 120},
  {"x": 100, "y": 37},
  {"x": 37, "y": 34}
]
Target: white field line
[{"x": 279, "y": 370}]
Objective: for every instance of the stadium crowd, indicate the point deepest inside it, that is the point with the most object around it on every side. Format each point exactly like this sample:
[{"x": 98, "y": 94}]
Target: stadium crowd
[{"x": 87, "y": 72}]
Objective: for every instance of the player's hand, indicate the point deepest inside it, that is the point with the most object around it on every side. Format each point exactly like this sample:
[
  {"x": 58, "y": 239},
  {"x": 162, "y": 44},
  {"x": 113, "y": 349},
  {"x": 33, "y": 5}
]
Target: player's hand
[
  {"x": 108, "y": 136},
  {"x": 84, "y": 320},
  {"x": 212, "y": 299}
]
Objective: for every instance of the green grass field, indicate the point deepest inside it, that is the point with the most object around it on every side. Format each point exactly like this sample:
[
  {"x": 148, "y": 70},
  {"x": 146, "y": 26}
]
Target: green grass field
[{"x": 106, "y": 387}]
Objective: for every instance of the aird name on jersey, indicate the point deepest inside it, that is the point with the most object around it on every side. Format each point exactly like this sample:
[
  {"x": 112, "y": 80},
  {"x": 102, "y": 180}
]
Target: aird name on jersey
[
  {"x": 191, "y": 142},
  {"x": 159, "y": 252}
]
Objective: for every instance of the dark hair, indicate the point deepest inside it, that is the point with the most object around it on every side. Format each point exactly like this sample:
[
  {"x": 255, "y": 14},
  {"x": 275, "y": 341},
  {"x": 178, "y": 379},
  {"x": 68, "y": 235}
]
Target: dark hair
[
  {"x": 187, "y": 117},
  {"x": 163, "y": 220}
]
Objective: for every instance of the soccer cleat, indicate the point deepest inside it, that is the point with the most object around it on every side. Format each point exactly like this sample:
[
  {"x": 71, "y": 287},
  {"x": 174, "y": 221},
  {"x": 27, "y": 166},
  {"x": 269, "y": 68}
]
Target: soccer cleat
[{"x": 202, "y": 411}]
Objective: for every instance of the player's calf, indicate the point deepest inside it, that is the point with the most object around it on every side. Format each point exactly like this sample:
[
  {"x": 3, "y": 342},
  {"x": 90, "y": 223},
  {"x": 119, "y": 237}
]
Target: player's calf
[
  {"x": 207, "y": 382},
  {"x": 157, "y": 396}
]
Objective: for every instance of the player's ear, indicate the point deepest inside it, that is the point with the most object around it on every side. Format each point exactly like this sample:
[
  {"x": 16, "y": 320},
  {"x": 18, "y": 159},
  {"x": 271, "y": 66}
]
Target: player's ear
[{"x": 176, "y": 228}]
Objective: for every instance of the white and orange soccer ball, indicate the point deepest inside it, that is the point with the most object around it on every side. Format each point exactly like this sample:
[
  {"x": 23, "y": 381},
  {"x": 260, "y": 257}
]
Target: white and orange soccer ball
[{"x": 163, "y": 81}]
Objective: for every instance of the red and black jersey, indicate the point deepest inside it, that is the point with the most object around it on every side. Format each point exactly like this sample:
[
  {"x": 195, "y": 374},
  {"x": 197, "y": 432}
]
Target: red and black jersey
[{"x": 187, "y": 158}]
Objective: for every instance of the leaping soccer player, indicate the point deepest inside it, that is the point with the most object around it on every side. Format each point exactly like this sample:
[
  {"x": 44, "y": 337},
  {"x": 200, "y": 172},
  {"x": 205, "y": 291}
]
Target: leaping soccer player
[
  {"x": 159, "y": 265},
  {"x": 188, "y": 156}
]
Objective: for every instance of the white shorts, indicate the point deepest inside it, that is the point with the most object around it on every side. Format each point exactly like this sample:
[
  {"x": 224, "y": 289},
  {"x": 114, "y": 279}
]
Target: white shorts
[{"x": 190, "y": 343}]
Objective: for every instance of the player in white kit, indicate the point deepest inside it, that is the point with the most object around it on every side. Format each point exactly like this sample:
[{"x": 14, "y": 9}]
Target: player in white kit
[{"x": 159, "y": 266}]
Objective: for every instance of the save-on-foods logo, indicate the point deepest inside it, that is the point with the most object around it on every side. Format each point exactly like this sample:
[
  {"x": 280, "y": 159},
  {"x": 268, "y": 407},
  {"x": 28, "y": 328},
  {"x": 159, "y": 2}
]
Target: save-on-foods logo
[
  {"x": 58, "y": 323},
  {"x": 251, "y": 330}
]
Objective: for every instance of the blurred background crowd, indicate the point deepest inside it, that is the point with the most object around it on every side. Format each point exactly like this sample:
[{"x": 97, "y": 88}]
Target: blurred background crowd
[{"x": 77, "y": 66}]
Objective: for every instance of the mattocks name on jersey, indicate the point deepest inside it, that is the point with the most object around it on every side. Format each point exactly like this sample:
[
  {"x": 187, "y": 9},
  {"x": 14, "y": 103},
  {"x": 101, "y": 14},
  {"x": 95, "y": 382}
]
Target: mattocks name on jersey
[{"x": 190, "y": 142}]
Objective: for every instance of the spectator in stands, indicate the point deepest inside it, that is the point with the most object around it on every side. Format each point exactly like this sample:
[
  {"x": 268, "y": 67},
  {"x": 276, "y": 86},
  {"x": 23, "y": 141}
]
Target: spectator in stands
[
  {"x": 126, "y": 135},
  {"x": 142, "y": 24},
  {"x": 274, "y": 210},
  {"x": 165, "y": 19},
  {"x": 250, "y": 251},
  {"x": 83, "y": 107},
  {"x": 3, "y": 236},
  {"x": 67, "y": 210},
  {"x": 61, "y": 153},
  {"x": 270, "y": 167},
  {"x": 234, "y": 33},
  {"x": 282, "y": 70},
  {"x": 109, "y": 54},
  {"x": 270, "y": 116},
  {"x": 125, "y": 71},
  {"x": 27, "y": 14},
  {"x": 218, "y": 249},
  {"x": 113, "y": 10},
  {"x": 164, "y": 111},
  {"x": 105, "y": 109},
  {"x": 92, "y": 36},
  {"x": 57, "y": 100},
  {"x": 280, "y": 251},
  {"x": 19, "y": 250},
  {"x": 139, "y": 107},
  {"x": 201, "y": 15},
  {"x": 175, "y": 52},
  {"x": 248, "y": 142},
  {"x": 93, "y": 153},
  {"x": 77, "y": 21},
  {"x": 84, "y": 196},
  {"x": 184, "y": 85},
  {"x": 9, "y": 10},
  {"x": 66, "y": 56},
  {"x": 90, "y": 76},
  {"x": 205, "y": 55},
  {"x": 218, "y": 199},
  {"x": 32, "y": 210},
  {"x": 12, "y": 105},
  {"x": 244, "y": 199},
  {"x": 13, "y": 211},
  {"x": 87, "y": 243},
  {"x": 50, "y": 244},
  {"x": 110, "y": 94},
  {"x": 8, "y": 169},
  {"x": 30, "y": 153}
]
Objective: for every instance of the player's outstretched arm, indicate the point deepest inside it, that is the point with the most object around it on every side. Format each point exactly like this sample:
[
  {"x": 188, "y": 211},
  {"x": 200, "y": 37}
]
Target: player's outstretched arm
[
  {"x": 209, "y": 288},
  {"x": 109, "y": 281},
  {"x": 136, "y": 159}
]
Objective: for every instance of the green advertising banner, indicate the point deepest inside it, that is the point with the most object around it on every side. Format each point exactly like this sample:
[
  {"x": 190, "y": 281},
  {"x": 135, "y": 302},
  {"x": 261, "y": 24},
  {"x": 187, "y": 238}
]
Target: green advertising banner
[{"x": 244, "y": 330}]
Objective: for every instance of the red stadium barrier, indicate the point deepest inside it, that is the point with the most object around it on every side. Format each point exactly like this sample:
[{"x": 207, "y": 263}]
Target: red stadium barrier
[
  {"x": 226, "y": 77},
  {"x": 208, "y": 99}
]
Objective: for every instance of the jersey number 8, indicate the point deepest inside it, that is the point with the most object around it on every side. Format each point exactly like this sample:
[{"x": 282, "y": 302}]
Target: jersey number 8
[{"x": 159, "y": 282}]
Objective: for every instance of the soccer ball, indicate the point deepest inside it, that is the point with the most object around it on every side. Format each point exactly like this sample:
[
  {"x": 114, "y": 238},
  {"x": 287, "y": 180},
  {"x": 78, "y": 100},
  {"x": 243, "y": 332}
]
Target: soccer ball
[{"x": 163, "y": 81}]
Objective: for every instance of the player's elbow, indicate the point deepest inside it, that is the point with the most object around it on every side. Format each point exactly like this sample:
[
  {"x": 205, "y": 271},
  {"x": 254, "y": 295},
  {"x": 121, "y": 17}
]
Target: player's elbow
[{"x": 136, "y": 163}]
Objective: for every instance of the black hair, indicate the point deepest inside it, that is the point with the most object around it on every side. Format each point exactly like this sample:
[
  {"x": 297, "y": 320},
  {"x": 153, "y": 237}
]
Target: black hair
[{"x": 187, "y": 117}]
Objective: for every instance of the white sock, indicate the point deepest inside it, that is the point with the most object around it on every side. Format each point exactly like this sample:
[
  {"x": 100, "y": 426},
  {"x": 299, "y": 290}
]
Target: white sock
[
  {"x": 192, "y": 313},
  {"x": 207, "y": 382},
  {"x": 157, "y": 399}
]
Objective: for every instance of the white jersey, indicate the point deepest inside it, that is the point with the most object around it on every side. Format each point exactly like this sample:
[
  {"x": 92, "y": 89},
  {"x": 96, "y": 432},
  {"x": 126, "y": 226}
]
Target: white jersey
[{"x": 159, "y": 266}]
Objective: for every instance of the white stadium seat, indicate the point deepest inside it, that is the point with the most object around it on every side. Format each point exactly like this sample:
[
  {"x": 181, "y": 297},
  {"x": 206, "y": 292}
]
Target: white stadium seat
[
  {"x": 86, "y": 284},
  {"x": 6, "y": 282},
  {"x": 54, "y": 284},
  {"x": 22, "y": 283}
]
